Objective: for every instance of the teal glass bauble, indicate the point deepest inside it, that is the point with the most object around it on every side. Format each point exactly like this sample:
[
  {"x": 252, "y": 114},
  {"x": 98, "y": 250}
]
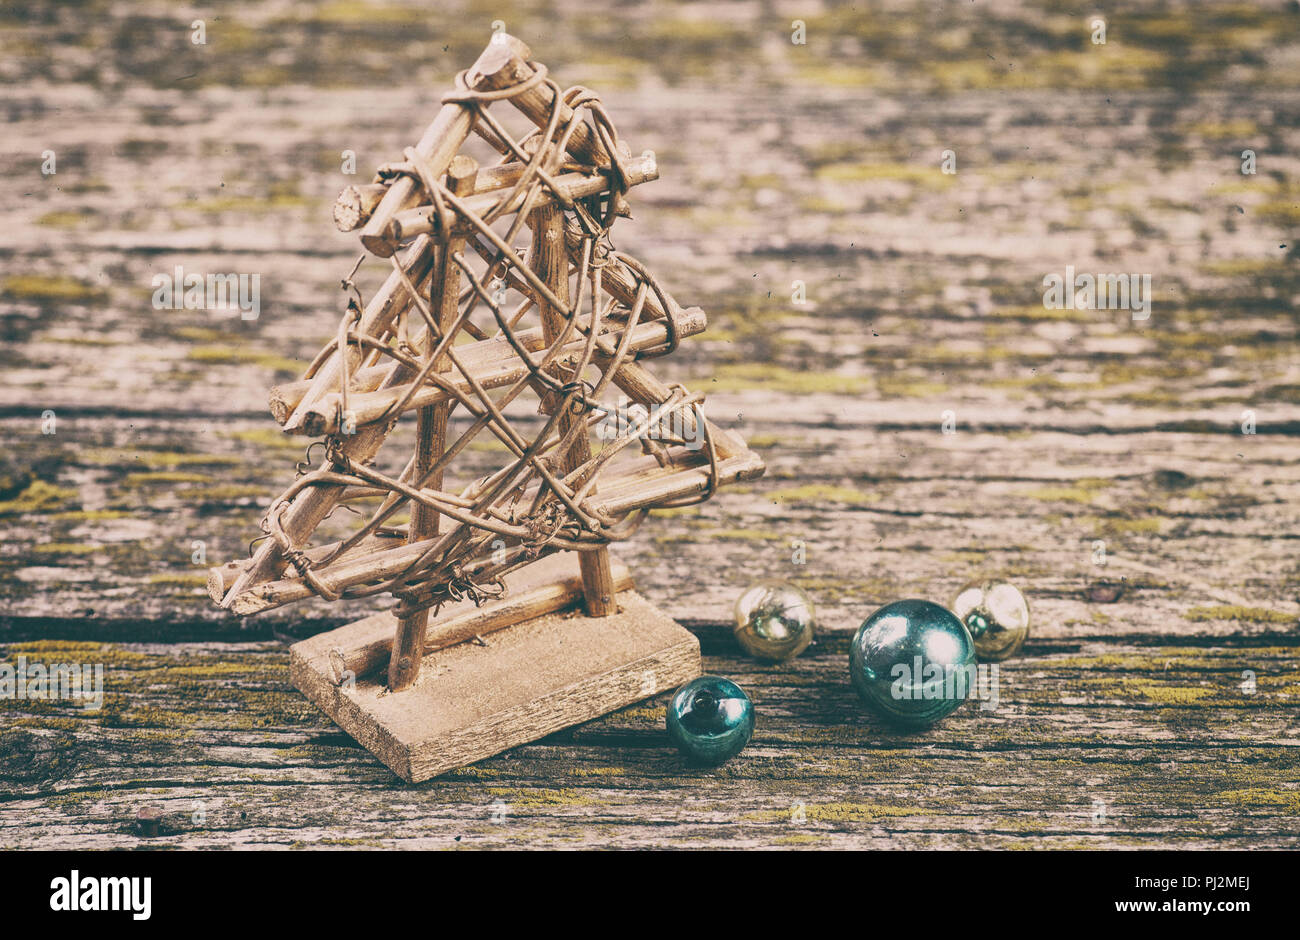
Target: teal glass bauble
[
  {"x": 913, "y": 662},
  {"x": 710, "y": 719}
]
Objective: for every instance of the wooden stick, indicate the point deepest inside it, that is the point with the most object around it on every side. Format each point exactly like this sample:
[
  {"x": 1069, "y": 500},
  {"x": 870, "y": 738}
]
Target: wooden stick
[
  {"x": 536, "y": 104},
  {"x": 647, "y": 486},
  {"x": 367, "y": 407},
  {"x": 388, "y": 303},
  {"x": 499, "y": 66},
  {"x": 682, "y": 479},
  {"x": 222, "y": 577},
  {"x": 550, "y": 260},
  {"x": 632, "y": 378},
  {"x": 517, "y": 606},
  {"x": 356, "y": 204},
  {"x": 348, "y": 571},
  {"x": 423, "y": 220},
  {"x": 431, "y": 436},
  {"x": 283, "y": 399}
]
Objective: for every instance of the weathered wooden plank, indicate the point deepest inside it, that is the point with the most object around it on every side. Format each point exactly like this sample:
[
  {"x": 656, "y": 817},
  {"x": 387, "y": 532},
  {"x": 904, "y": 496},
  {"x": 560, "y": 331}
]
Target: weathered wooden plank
[
  {"x": 1165, "y": 737},
  {"x": 922, "y": 295},
  {"x": 541, "y": 675},
  {"x": 881, "y": 514}
]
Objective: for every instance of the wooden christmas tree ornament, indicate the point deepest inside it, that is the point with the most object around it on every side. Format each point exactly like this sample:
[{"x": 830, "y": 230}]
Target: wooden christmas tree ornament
[{"x": 512, "y": 621}]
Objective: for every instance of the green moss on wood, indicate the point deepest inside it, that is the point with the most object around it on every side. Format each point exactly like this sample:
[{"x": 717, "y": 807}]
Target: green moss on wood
[
  {"x": 844, "y": 812},
  {"x": 66, "y": 548},
  {"x": 89, "y": 515},
  {"x": 742, "y": 535},
  {"x": 152, "y": 460},
  {"x": 1086, "y": 491},
  {"x": 266, "y": 437},
  {"x": 528, "y": 799},
  {"x": 42, "y": 288},
  {"x": 802, "y": 838},
  {"x": 165, "y": 476},
  {"x": 1240, "y": 613},
  {"x": 1287, "y": 801},
  {"x": 39, "y": 496},
  {"x": 227, "y": 355},
  {"x": 180, "y": 580},
  {"x": 823, "y": 493},
  {"x": 746, "y": 376},
  {"x": 227, "y": 493}
]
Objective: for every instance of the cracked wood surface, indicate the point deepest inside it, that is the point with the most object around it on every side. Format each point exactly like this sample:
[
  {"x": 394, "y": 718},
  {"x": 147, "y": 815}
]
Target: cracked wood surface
[{"x": 1130, "y": 720}]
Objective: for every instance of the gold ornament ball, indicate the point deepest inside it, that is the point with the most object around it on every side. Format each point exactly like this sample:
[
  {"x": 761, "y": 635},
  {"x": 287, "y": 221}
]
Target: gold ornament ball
[
  {"x": 997, "y": 616},
  {"x": 774, "y": 621}
]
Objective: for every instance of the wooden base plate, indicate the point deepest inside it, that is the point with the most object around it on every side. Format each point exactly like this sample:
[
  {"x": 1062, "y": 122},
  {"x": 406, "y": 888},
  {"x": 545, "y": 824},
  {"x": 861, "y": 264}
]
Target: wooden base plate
[{"x": 474, "y": 701}]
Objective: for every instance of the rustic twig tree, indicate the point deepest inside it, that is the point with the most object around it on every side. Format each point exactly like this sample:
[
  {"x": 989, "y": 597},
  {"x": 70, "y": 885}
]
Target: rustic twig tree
[{"x": 466, "y": 330}]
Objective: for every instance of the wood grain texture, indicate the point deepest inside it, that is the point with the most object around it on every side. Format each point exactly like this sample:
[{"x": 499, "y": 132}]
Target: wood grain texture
[
  {"x": 548, "y": 586},
  {"x": 471, "y": 701},
  {"x": 815, "y": 163},
  {"x": 1162, "y": 734}
]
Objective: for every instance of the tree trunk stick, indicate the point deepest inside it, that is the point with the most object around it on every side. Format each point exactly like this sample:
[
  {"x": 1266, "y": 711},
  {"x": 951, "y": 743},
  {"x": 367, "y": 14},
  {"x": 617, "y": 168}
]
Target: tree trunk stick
[
  {"x": 550, "y": 260},
  {"x": 431, "y": 437},
  {"x": 355, "y": 204},
  {"x": 476, "y": 622},
  {"x": 221, "y": 578},
  {"x": 536, "y": 104}
]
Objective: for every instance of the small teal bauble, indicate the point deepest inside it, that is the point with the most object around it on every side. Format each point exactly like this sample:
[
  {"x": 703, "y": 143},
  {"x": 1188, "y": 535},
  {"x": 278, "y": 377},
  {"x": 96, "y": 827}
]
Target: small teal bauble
[
  {"x": 913, "y": 662},
  {"x": 774, "y": 621},
  {"x": 710, "y": 719},
  {"x": 997, "y": 616}
]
